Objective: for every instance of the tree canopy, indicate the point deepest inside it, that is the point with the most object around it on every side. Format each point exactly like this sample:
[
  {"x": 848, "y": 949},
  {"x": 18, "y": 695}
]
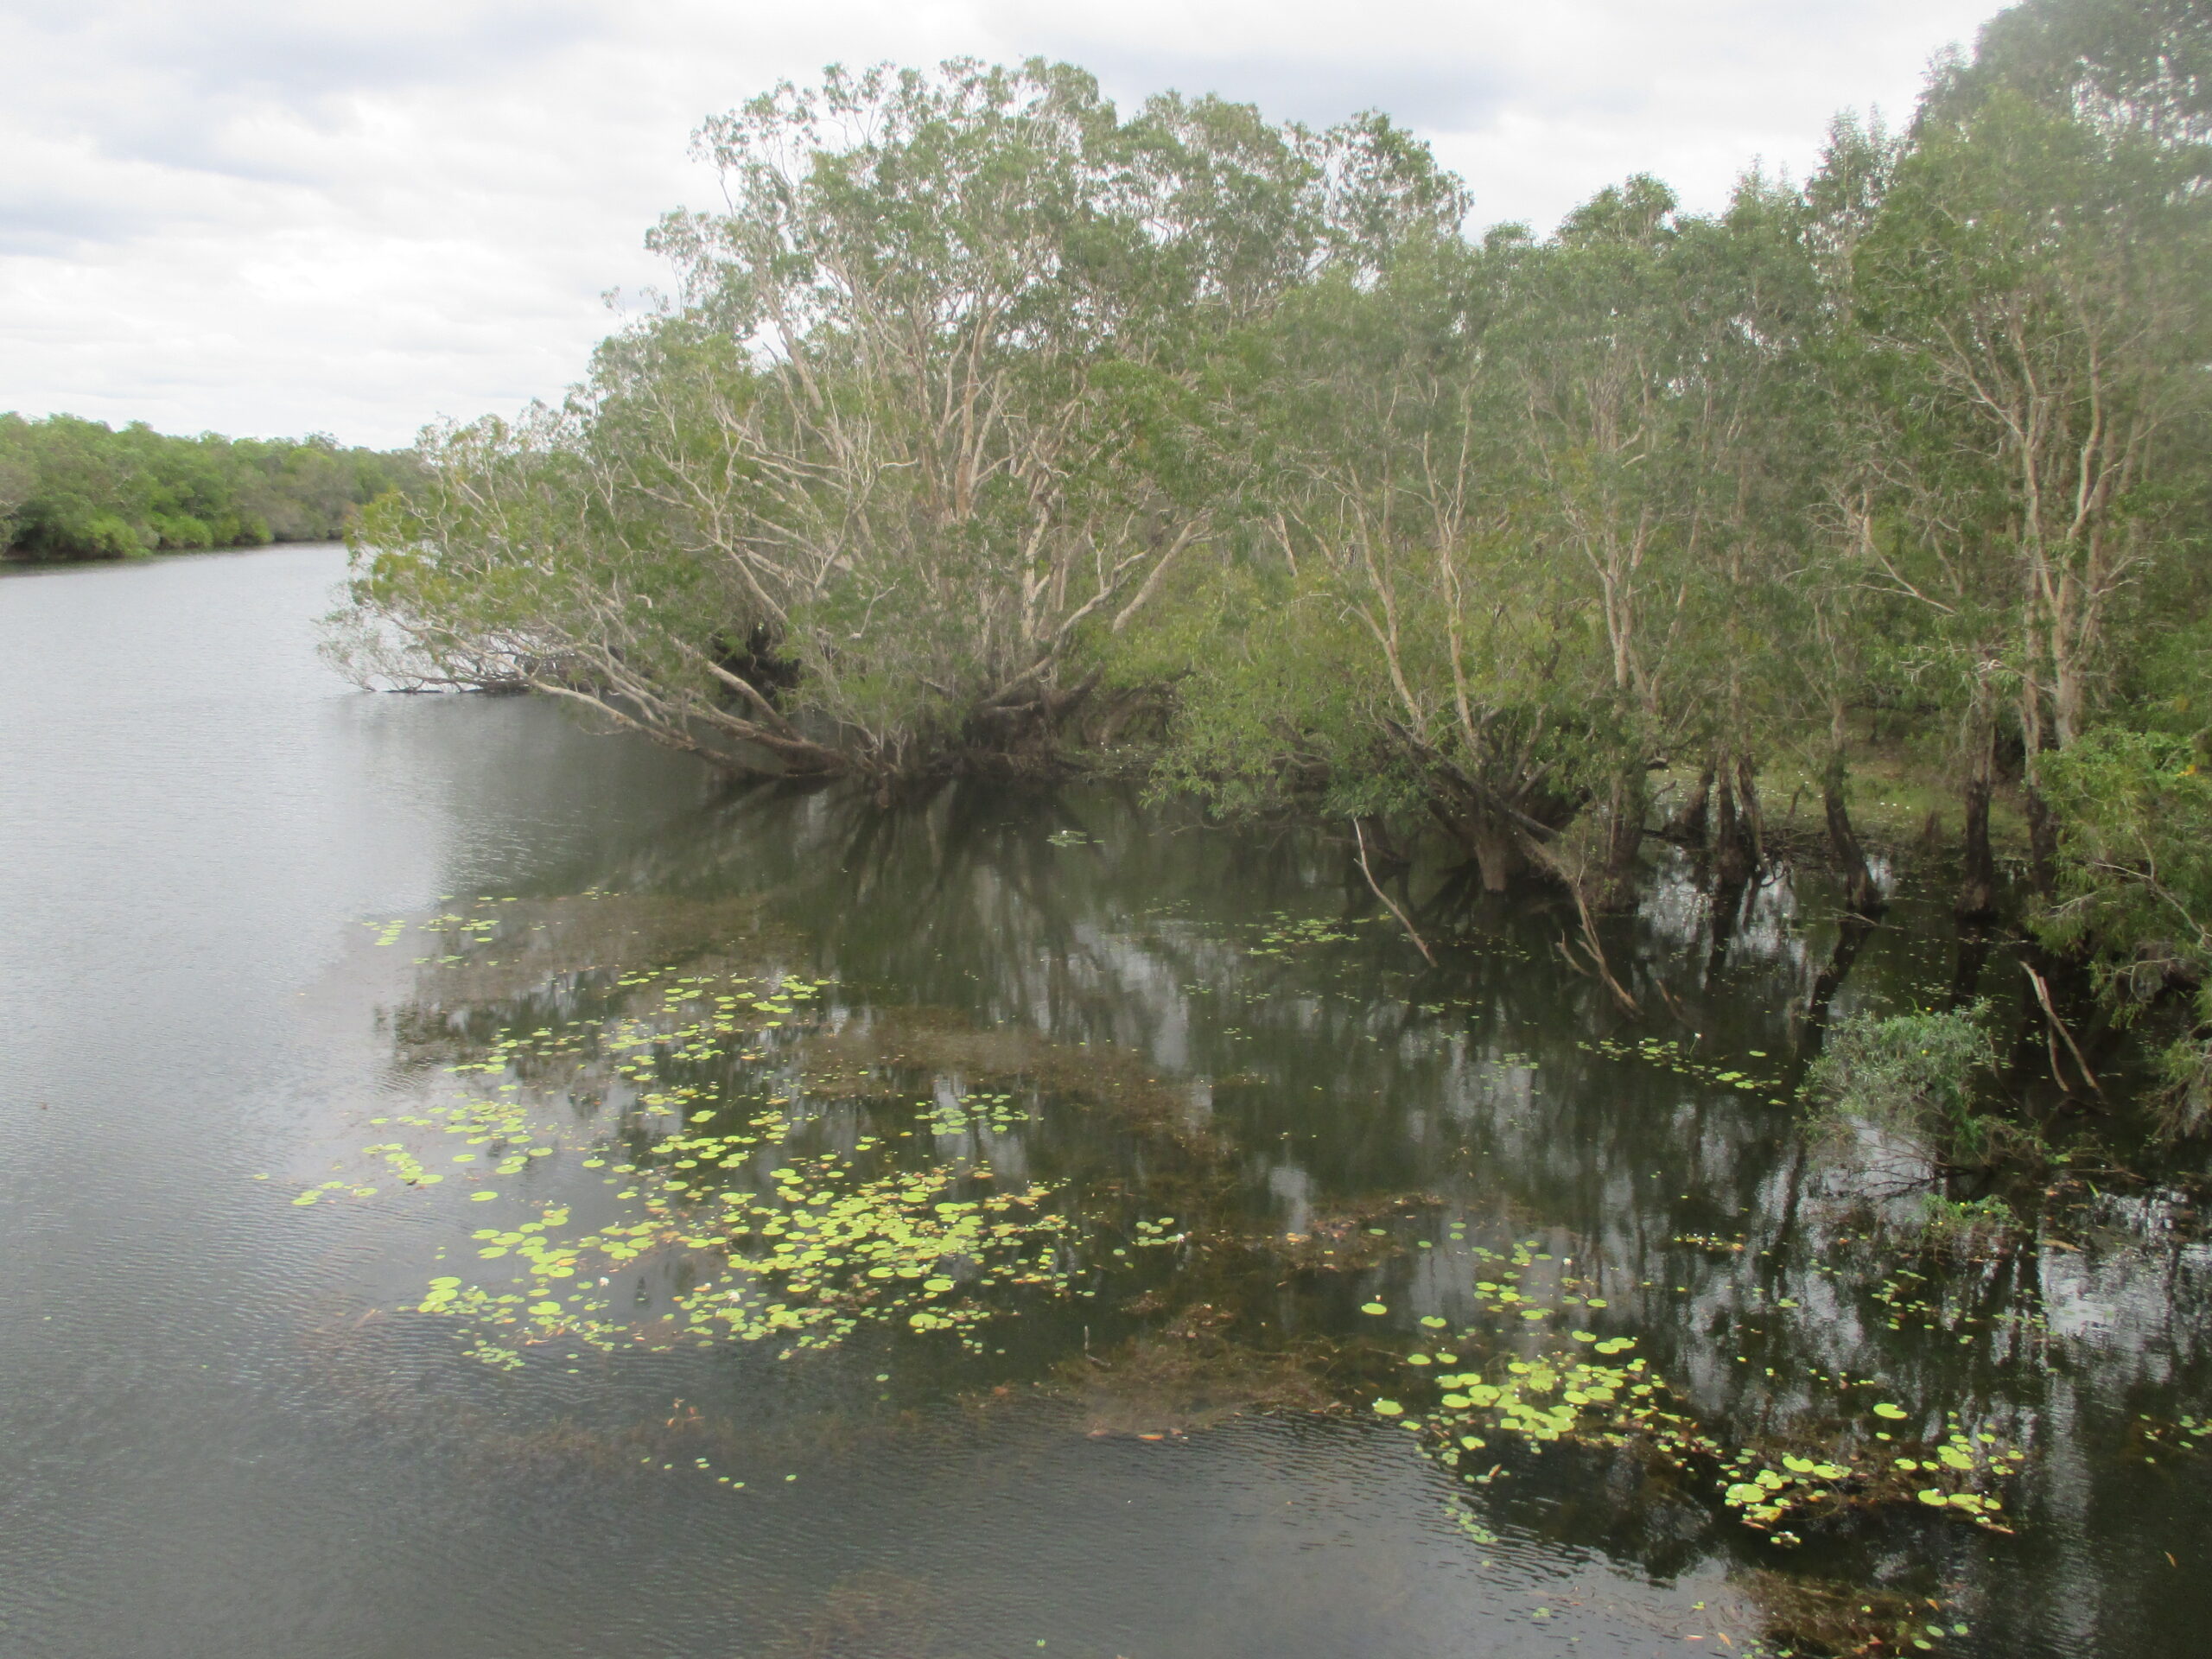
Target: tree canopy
[{"x": 988, "y": 426}]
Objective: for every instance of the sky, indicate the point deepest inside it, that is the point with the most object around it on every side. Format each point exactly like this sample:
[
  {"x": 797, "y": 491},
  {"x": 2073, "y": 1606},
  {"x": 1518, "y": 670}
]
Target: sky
[{"x": 273, "y": 216}]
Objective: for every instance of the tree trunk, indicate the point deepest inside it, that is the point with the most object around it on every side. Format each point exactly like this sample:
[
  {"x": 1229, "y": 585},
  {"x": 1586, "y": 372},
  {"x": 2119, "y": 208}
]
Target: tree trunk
[
  {"x": 1750, "y": 814},
  {"x": 1977, "y": 871},
  {"x": 1850, "y": 938},
  {"x": 1861, "y": 896},
  {"x": 1693, "y": 820},
  {"x": 1732, "y": 856},
  {"x": 2043, "y": 838},
  {"x": 1624, "y": 841},
  {"x": 1497, "y": 850}
]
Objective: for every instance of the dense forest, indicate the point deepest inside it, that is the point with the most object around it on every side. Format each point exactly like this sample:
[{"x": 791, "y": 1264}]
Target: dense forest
[
  {"x": 990, "y": 429},
  {"x": 75, "y": 489}
]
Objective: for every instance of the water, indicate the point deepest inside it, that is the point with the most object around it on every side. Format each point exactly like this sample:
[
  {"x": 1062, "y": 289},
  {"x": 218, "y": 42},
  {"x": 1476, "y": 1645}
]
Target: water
[{"x": 1246, "y": 1107}]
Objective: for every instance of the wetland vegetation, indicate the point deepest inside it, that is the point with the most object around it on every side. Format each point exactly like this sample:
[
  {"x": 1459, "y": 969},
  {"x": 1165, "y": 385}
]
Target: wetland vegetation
[
  {"x": 994, "y": 432},
  {"x": 1055, "y": 1122},
  {"x": 1503, "y": 938},
  {"x": 787, "y": 1221}
]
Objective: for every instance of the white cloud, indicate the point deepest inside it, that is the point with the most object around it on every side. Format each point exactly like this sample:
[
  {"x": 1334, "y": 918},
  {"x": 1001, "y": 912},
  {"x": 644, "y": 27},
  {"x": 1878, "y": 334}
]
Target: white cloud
[{"x": 264, "y": 217}]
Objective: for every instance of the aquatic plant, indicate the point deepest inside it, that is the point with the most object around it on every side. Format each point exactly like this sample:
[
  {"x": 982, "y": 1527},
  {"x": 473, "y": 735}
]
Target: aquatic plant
[{"x": 789, "y": 1164}]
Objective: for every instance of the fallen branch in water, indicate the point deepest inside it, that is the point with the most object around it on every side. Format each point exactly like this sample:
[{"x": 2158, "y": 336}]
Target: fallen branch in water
[
  {"x": 1592, "y": 947},
  {"x": 2057, "y": 1025},
  {"x": 1404, "y": 920}
]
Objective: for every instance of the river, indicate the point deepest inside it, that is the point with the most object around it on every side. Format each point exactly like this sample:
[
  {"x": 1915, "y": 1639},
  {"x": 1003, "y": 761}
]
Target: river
[{"x": 471, "y": 1185}]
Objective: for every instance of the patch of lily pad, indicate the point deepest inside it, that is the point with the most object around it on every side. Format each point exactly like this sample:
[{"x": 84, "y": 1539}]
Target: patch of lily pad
[{"x": 762, "y": 1235}]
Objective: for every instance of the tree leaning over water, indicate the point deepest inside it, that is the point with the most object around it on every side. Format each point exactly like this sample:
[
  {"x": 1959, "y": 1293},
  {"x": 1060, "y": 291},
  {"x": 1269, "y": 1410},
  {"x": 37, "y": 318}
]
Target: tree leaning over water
[
  {"x": 937, "y": 416},
  {"x": 986, "y": 426}
]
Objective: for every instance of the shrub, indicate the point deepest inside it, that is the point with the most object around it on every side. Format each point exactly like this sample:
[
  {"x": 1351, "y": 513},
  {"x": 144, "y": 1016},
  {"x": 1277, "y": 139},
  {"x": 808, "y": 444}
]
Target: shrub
[{"x": 1914, "y": 1075}]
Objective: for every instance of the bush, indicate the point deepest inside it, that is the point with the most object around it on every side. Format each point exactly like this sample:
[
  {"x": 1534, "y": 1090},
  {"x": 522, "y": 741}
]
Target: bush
[
  {"x": 2134, "y": 887},
  {"x": 1915, "y": 1075}
]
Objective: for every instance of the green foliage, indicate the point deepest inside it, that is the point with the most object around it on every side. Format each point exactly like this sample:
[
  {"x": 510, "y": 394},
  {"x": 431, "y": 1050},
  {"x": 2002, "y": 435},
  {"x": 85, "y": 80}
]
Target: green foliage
[
  {"x": 75, "y": 489},
  {"x": 939, "y": 415},
  {"x": 1915, "y": 1075},
  {"x": 1964, "y": 1223},
  {"x": 2135, "y": 884},
  {"x": 2031, "y": 287},
  {"x": 2136, "y": 876},
  {"x": 990, "y": 421},
  {"x": 2145, "y": 63}
]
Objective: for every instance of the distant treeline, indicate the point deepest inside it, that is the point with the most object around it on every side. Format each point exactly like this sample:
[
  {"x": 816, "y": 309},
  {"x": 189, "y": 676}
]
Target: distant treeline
[{"x": 76, "y": 489}]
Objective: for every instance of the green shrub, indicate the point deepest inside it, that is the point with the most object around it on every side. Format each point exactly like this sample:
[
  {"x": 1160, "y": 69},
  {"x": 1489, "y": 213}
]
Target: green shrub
[{"x": 1916, "y": 1076}]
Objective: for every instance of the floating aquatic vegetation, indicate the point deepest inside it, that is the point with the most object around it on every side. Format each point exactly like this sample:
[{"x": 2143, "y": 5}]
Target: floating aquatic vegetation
[
  {"x": 852, "y": 1060},
  {"x": 787, "y": 1165},
  {"x": 502, "y": 1125},
  {"x": 777, "y": 1243},
  {"x": 2181, "y": 1435},
  {"x": 1286, "y": 935},
  {"x": 1826, "y": 1615},
  {"x": 1560, "y": 1396},
  {"x": 1712, "y": 1241},
  {"x": 804, "y": 1264},
  {"x": 1346, "y": 1238},
  {"x": 491, "y": 950},
  {"x": 1525, "y": 1381},
  {"x": 743, "y": 1225},
  {"x": 958, "y": 1114},
  {"x": 329, "y": 1189},
  {"x": 1670, "y": 1056},
  {"x": 1904, "y": 1297}
]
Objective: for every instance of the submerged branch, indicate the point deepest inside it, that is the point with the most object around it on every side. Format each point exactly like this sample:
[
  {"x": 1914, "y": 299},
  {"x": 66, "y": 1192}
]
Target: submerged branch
[{"x": 1405, "y": 921}]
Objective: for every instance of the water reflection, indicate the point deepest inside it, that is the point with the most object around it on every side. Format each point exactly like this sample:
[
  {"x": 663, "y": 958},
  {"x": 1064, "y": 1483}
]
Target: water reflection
[
  {"x": 1226, "y": 1033},
  {"x": 227, "y": 1425}
]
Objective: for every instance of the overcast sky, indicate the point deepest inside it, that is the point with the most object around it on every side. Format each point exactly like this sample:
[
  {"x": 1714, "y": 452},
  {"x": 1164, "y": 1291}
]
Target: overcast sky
[{"x": 278, "y": 216}]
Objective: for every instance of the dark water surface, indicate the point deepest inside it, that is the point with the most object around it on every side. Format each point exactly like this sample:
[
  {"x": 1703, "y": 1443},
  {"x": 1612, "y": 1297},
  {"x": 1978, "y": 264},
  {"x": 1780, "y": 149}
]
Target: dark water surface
[{"x": 947, "y": 1232}]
